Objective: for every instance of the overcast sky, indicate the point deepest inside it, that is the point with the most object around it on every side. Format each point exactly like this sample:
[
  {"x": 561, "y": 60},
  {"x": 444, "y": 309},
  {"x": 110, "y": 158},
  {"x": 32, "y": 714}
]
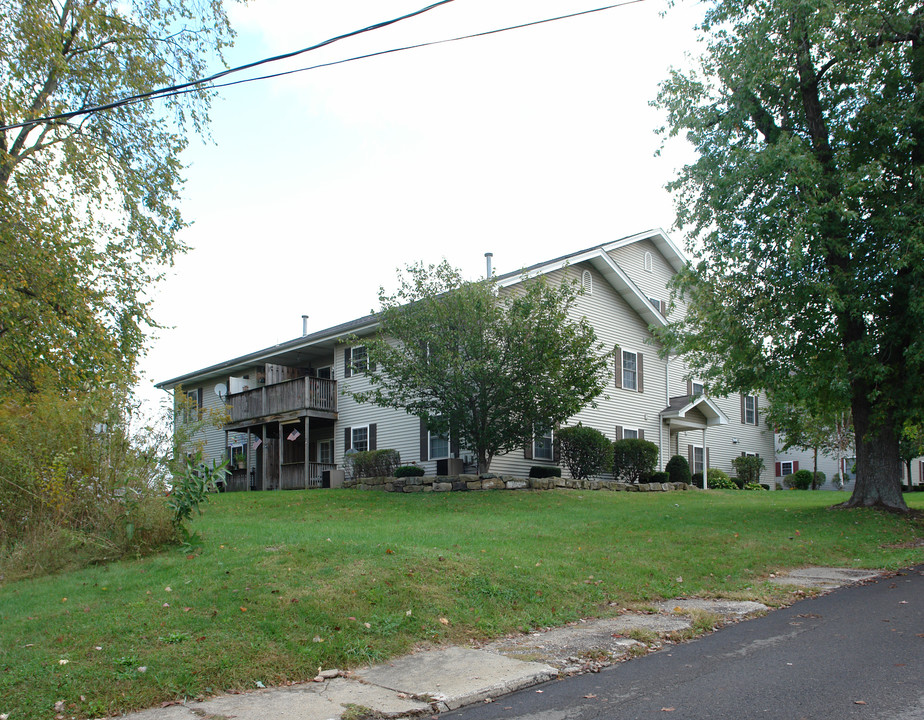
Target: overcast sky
[{"x": 529, "y": 144}]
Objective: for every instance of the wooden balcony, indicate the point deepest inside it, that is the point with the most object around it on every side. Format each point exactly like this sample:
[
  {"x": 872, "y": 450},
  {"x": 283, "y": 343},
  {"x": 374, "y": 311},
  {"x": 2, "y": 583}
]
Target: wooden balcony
[{"x": 292, "y": 398}]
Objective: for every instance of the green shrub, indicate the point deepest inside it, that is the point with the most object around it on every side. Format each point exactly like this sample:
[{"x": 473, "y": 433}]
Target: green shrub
[
  {"x": 819, "y": 480},
  {"x": 714, "y": 474},
  {"x": 721, "y": 483},
  {"x": 408, "y": 471},
  {"x": 191, "y": 489},
  {"x": 754, "y": 486},
  {"x": 748, "y": 468},
  {"x": 373, "y": 463},
  {"x": 585, "y": 451},
  {"x": 634, "y": 460},
  {"x": 77, "y": 485},
  {"x": 697, "y": 479},
  {"x": 659, "y": 477},
  {"x": 544, "y": 471},
  {"x": 799, "y": 480},
  {"x": 679, "y": 469}
]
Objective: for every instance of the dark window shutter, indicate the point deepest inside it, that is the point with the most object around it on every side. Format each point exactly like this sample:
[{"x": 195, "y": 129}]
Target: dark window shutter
[
  {"x": 689, "y": 387},
  {"x": 779, "y": 469},
  {"x": 453, "y": 445},
  {"x": 199, "y": 403},
  {"x": 556, "y": 449},
  {"x": 690, "y": 456},
  {"x": 347, "y": 438},
  {"x": 795, "y": 466},
  {"x": 641, "y": 434},
  {"x": 619, "y": 432},
  {"x": 641, "y": 372},
  {"x": 707, "y": 457},
  {"x": 617, "y": 356},
  {"x": 742, "y": 409},
  {"x": 347, "y": 362},
  {"x": 372, "y": 436},
  {"x": 756, "y": 419},
  {"x": 372, "y": 365},
  {"x": 424, "y": 441},
  {"x": 664, "y": 308},
  {"x": 528, "y": 451},
  {"x": 744, "y": 454}
]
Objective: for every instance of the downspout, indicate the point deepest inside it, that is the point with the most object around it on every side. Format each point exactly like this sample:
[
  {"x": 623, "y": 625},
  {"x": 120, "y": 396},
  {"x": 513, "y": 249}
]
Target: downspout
[{"x": 667, "y": 393}]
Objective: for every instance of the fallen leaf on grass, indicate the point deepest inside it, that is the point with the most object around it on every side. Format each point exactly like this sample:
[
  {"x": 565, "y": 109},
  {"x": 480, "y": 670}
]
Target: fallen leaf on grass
[
  {"x": 444, "y": 621},
  {"x": 667, "y": 709},
  {"x": 590, "y": 696},
  {"x": 859, "y": 702}
]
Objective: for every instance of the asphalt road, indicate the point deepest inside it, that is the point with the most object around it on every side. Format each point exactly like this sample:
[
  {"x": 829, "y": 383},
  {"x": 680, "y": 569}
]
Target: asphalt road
[{"x": 857, "y": 652}]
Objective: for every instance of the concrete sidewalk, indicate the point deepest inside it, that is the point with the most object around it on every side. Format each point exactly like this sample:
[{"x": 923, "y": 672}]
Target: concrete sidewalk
[{"x": 435, "y": 681}]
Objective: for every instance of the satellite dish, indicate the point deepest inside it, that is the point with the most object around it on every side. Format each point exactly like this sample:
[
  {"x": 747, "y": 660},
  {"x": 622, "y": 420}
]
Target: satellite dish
[{"x": 221, "y": 390}]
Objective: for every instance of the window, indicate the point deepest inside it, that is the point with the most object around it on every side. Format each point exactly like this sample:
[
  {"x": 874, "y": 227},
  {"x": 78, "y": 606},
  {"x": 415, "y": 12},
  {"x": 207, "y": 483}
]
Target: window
[
  {"x": 326, "y": 372},
  {"x": 749, "y": 409},
  {"x": 786, "y": 468},
  {"x": 543, "y": 445},
  {"x": 439, "y": 445},
  {"x": 360, "y": 439},
  {"x": 360, "y": 360},
  {"x": 699, "y": 461},
  {"x": 629, "y": 434},
  {"x": 587, "y": 282},
  {"x": 629, "y": 370},
  {"x": 326, "y": 452},
  {"x": 649, "y": 264},
  {"x": 192, "y": 406},
  {"x": 655, "y": 303},
  {"x": 697, "y": 388}
]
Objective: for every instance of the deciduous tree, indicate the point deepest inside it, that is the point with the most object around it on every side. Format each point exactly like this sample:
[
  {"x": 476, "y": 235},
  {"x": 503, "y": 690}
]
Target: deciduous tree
[
  {"x": 89, "y": 205},
  {"x": 491, "y": 366},
  {"x": 805, "y": 212}
]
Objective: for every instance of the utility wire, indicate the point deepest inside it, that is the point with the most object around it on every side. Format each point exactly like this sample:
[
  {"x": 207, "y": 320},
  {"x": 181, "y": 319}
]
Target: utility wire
[
  {"x": 180, "y": 88},
  {"x": 193, "y": 86}
]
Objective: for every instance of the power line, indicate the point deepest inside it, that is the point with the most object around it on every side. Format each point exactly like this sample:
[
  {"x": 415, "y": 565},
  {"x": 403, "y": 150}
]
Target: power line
[
  {"x": 180, "y": 88},
  {"x": 193, "y": 86}
]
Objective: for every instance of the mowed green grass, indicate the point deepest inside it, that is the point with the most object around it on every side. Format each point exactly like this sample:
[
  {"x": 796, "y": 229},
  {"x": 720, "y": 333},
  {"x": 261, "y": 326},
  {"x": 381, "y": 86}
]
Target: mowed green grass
[{"x": 287, "y": 583}]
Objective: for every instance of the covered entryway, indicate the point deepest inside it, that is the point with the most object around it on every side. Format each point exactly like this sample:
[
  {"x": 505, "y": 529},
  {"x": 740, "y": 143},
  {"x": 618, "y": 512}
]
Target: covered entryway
[{"x": 689, "y": 413}]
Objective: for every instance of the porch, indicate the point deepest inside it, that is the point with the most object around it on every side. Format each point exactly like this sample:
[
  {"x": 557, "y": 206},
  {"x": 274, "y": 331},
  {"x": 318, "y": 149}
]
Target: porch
[{"x": 314, "y": 395}]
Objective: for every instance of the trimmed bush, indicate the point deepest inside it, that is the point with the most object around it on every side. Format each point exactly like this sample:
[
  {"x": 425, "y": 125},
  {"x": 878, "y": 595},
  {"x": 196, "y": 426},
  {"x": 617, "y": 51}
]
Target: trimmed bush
[
  {"x": 409, "y": 471},
  {"x": 634, "y": 460},
  {"x": 659, "y": 477},
  {"x": 544, "y": 471},
  {"x": 373, "y": 463},
  {"x": 754, "y": 486},
  {"x": 585, "y": 451},
  {"x": 697, "y": 479},
  {"x": 799, "y": 480},
  {"x": 722, "y": 483},
  {"x": 819, "y": 480},
  {"x": 716, "y": 474},
  {"x": 748, "y": 468},
  {"x": 679, "y": 469}
]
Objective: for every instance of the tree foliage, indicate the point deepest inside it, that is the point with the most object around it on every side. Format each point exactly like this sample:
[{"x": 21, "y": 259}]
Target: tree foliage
[
  {"x": 585, "y": 451},
  {"x": 89, "y": 206},
  {"x": 491, "y": 366},
  {"x": 634, "y": 460},
  {"x": 805, "y": 212}
]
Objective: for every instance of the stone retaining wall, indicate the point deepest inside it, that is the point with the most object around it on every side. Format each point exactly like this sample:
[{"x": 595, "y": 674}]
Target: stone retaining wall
[{"x": 459, "y": 483}]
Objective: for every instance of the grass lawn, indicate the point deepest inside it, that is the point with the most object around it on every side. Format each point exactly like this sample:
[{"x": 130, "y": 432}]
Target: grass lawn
[{"x": 290, "y": 582}]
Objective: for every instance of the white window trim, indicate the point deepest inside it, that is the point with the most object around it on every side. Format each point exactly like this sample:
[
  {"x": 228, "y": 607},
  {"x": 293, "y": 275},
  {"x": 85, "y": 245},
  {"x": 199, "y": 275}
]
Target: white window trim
[
  {"x": 329, "y": 442},
  {"x": 551, "y": 436},
  {"x": 356, "y": 368},
  {"x": 431, "y": 436},
  {"x": 634, "y": 387},
  {"x": 353, "y": 430},
  {"x": 702, "y": 392},
  {"x": 703, "y": 451},
  {"x": 783, "y": 464},
  {"x": 753, "y": 410},
  {"x": 630, "y": 429}
]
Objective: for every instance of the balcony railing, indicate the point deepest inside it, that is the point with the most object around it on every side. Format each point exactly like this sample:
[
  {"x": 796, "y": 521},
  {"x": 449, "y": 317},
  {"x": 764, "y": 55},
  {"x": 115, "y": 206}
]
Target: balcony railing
[{"x": 307, "y": 393}]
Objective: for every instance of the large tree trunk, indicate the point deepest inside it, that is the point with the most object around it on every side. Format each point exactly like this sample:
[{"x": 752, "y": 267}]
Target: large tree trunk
[{"x": 879, "y": 464}]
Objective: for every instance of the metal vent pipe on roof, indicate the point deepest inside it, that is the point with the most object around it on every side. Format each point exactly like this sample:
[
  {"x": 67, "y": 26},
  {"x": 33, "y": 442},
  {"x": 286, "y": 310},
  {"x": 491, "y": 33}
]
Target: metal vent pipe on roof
[
  {"x": 304, "y": 325},
  {"x": 487, "y": 257}
]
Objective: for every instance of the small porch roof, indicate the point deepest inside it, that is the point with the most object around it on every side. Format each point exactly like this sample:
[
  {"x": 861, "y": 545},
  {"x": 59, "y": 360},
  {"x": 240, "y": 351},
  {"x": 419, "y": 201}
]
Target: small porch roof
[{"x": 680, "y": 418}]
